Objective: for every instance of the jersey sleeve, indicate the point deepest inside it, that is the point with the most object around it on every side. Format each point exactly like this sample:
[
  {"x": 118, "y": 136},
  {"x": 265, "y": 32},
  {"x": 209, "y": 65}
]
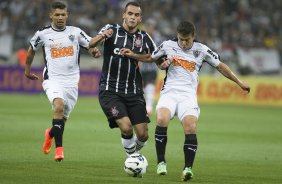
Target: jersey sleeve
[
  {"x": 36, "y": 41},
  {"x": 159, "y": 52},
  {"x": 211, "y": 57},
  {"x": 83, "y": 39},
  {"x": 108, "y": 26}
]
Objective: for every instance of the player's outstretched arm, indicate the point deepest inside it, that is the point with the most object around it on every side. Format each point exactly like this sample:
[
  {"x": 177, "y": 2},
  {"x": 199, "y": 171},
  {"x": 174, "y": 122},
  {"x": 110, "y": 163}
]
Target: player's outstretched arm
[
  {"x": 139, "y": 57},
  {"x": 226, "y": 71},
  {"x": 29, "y": 59},
  {"x": 100, "y": 38}
]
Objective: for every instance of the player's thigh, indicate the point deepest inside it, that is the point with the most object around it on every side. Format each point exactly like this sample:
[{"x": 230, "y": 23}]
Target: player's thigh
[
  {"x": 53, "y": 90},
  {"x": 70, "y": 98},
  {"x": 136, "y": 107},
  {"x": 188, "y": 106},
  {"x": 166, "y": 105}
]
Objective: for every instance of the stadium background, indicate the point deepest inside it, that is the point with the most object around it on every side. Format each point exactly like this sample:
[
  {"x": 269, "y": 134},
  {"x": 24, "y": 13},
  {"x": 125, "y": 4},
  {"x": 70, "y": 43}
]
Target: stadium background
[
  {"x": 246, "y": 34},
  {"x": 240, "y": 135}
]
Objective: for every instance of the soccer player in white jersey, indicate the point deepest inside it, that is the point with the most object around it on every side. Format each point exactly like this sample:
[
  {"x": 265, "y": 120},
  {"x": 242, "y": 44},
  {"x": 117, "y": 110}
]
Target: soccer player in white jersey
[
  {"x": 61, "y": 46},
  {"x": 179, "y": 93}
]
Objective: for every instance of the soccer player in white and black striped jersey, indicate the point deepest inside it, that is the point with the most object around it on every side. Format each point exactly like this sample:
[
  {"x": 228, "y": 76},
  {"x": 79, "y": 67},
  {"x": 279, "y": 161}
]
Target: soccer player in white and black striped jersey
[
  {"x": 61, "y": 47},
  {"x": 178, "y": 96},
  {"x": 121, "y": 94}
]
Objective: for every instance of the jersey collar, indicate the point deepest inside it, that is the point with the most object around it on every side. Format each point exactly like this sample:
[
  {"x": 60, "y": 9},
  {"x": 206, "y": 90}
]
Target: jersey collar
[{"x": 58, "y": 30}]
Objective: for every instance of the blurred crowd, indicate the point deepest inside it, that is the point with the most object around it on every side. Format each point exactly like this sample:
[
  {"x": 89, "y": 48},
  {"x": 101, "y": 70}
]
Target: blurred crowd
[{"x": 220, "y": 23}]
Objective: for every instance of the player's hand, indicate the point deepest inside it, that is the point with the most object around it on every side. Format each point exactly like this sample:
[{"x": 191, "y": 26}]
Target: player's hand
[
  {"x": 107, "y": 33},
  {"x": 246, "y": 87},
  {"x": 165, "y": 64},
  {"x": 31, "y": 76},
  {"x": 94, "y": 52},
  {"x": 126, "y": 52}
]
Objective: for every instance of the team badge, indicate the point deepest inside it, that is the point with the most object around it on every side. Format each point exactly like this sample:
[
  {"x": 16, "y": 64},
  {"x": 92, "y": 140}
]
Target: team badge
[
  {"x": 114, "y": 111},
  {"x": 71, "y": 37},
  {"x": 196, "y": 53},
  {"x": 138, "y": 42}
]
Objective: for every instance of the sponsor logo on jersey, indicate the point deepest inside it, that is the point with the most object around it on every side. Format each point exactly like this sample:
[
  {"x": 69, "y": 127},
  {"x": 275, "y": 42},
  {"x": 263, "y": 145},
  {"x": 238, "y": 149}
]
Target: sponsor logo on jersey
[
  {"x": 117, "y": 51},
  {"x": 37, "y": 41},
  {"x": 83, "y": 35},
  {"x": 212, "y": 54},
  {"x": 180, "y": 61},
  {"x": 138, "y": 42},
  {"x": 62, "y": 52}
]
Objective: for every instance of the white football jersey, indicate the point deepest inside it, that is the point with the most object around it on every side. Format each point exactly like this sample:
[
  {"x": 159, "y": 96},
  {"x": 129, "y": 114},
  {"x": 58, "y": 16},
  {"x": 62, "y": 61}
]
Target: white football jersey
[
  {"x": 183, "y": 72},
  {"x": 61, "y": 53}
]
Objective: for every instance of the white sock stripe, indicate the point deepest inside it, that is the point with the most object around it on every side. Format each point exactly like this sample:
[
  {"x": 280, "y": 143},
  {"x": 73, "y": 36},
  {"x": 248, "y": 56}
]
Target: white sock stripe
[
  {"x": 130, "y": 148},
  {"x": 129, "y": 145},
  {"x": 139, "y": 142},
  {"x": 161, "y": 135},
  {"x": 191, "y": 145}
]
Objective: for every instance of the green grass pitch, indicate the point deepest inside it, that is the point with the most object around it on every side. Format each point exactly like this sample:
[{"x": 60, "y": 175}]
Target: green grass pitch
[{"x": 237, "y": 145}]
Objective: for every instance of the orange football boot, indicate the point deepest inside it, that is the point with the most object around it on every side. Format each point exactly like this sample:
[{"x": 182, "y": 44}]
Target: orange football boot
[
  {"x": 59, "y": 154},
  {"x": 47, "y": 142}
]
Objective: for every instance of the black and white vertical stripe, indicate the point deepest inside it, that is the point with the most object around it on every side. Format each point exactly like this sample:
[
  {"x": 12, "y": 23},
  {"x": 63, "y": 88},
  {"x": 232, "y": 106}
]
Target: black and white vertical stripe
[{"x": 121, "y": 74}]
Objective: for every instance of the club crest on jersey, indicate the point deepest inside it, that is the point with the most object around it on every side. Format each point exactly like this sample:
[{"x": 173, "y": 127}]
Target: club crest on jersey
[
  {"x": 196, "y": 53},
  {"x": 71, "y": 37},
  {"x": 114, "y": 111},
  {"x": 138, "y": 42}
]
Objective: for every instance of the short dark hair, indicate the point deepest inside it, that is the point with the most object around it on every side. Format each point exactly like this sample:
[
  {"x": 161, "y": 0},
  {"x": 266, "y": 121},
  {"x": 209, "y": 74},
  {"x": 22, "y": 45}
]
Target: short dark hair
[
  {"x": 58, "y": 5},
  {"x": 185, "y": 28},
  {"x": 133, "y": 3}
]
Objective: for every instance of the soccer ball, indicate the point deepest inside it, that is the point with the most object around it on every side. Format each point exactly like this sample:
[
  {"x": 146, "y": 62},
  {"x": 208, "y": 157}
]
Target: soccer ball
[{"x": 135, "y": 165}]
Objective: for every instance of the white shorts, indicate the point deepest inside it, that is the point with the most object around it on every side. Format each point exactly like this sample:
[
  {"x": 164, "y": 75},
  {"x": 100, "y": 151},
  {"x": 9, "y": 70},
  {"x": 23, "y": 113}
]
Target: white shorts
[
  {"x": 180, "y": 104},
  {"x": 68, "y": 94}
]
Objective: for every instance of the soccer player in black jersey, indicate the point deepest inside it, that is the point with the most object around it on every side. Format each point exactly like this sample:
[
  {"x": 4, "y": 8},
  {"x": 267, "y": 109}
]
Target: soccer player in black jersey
[{"x": 121, "y": 93}]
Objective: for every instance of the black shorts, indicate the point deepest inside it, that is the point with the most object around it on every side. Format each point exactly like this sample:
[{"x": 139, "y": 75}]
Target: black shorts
[{"x": 116, "y": 105}]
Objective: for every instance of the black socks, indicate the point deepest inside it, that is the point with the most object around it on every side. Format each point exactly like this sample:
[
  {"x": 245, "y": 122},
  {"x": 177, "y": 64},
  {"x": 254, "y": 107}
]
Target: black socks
[
  {"x": 160, "y": 142},
  {"x": 57, "y": 131},
  {"x": 190, "y": 148}
]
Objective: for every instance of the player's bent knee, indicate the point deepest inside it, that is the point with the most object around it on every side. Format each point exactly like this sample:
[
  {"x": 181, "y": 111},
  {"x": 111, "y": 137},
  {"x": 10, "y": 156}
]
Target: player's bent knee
[
  {"x": 127, "y": 131},
  {"x": 58, "y": 106},
  {"x": 190, "y": 128},
  {"x": 143, "y": 137},
  {"x": 162, "y": 121}
]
